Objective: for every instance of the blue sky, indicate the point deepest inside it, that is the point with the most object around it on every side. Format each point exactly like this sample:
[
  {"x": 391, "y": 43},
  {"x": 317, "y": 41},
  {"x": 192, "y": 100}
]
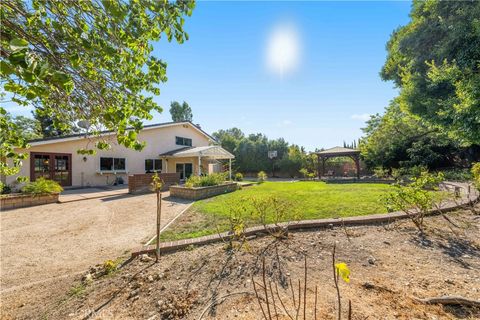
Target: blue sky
[{"x": 222, "y": 71}]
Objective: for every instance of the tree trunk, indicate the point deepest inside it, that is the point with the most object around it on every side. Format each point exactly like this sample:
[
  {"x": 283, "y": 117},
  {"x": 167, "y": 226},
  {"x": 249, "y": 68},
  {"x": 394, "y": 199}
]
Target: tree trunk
[{"x": 159, "y": 216}]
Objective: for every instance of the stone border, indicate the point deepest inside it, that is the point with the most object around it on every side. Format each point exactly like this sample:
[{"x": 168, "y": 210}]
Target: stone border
[
  {"x": 22, "y": 200},
  {"x": 197, "y": 193},
  {"x": 171, "y": 246}
]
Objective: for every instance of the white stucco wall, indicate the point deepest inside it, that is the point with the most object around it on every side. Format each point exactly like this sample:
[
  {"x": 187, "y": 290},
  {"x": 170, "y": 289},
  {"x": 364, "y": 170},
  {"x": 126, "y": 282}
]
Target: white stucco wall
[{"x": 87, "y": 173}]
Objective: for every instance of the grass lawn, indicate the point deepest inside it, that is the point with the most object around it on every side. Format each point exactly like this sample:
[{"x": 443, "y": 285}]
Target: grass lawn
[{"x": 313, "y": 200}]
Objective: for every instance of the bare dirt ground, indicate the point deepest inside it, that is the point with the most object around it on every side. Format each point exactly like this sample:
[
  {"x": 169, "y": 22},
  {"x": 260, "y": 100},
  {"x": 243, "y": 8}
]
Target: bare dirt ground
[
  {"x": 390, "y": 266},
  {"x": 53, "y": 243}
]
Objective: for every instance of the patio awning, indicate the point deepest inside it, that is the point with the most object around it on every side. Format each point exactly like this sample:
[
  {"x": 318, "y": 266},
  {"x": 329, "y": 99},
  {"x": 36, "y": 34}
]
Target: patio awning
[{"x": 212, "y": 152}]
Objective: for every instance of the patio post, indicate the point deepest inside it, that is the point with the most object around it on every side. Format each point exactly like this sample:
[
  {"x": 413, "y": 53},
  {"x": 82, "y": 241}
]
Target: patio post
[
  {"x": 230, "y": 169},
  {"x": 199, "y": 166}
]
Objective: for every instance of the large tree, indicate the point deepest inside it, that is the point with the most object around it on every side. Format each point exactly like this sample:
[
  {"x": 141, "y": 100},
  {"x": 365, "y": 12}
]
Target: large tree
[
  {"x": 87, "y": 60},
  {"x": 180, "y": 112},
  {"x": 435, "y": 61},
  {"x": 398, "y": 139}
]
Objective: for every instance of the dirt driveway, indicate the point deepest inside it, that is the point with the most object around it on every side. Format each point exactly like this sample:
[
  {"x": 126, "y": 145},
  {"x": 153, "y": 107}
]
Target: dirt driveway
[{"x": 49, "y": 242}]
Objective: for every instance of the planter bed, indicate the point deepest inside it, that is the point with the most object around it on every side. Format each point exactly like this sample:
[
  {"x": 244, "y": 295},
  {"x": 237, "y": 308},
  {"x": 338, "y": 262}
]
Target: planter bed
[
  {"x": 197, "y": 193},
  {"x": 20, "y": 200}
]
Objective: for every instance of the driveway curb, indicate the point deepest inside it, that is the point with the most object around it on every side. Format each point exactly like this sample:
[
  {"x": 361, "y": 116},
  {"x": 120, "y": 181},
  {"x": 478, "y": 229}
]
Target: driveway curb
[{"x": 372, "y": 219}]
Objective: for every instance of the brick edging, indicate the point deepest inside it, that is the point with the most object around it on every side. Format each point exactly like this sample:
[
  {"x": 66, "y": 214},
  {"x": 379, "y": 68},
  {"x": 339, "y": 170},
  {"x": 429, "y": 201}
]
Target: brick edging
[{"x": 171, "y": 246}]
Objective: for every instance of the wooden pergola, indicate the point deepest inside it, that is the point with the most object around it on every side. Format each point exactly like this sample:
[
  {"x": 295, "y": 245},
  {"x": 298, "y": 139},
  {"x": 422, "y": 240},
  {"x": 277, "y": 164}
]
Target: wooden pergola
[{"x": 337, "y": 152}]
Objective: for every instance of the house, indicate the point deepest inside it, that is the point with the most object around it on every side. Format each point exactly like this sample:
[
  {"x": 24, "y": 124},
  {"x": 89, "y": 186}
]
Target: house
[{"x": 170, "y": 147}]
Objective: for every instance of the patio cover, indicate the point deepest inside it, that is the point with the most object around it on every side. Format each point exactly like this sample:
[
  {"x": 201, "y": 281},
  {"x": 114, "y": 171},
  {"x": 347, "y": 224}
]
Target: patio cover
[{"x": 212, "y": 152}]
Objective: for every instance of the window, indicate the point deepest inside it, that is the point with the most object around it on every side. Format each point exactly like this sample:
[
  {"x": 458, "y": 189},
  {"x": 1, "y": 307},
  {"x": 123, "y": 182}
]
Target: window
[
  {"x": 183, "y": 141},
  {"x": 153, "y": 165},
  {"x": 112, "y": 164}
]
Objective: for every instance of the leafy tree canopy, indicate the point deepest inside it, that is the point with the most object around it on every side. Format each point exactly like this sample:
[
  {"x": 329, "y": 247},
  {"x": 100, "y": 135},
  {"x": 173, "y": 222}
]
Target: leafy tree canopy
[
  {"x": 435, "y": 61},
  {"x": 87, "y": 60},
  {"x": 399, "y": 139},
  {"x": 180, "y": 112}
]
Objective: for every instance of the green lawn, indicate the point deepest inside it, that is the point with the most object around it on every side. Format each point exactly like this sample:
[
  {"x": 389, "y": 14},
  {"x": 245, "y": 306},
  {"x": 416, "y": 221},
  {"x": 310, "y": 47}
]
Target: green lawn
[{"x": 312, "y": 200}]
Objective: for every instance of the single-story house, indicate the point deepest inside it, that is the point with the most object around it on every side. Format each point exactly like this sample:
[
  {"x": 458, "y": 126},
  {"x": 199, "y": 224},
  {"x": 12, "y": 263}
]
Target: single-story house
[{"x": 181, "y": 147}]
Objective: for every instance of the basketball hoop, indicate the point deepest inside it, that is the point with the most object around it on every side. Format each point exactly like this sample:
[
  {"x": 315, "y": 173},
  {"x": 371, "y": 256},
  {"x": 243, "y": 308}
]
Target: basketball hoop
[{"x": 272, "y": 154}]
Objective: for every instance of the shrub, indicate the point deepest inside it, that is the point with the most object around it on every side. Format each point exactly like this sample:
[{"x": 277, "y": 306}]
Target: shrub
[
  {"x": 261, "y": 176},
  {"x": 238, "y": 176},
  {"x": 458, "y": 175},
  {"x": 5, "y": 188},
  {"x": 476, "y": 174},
  {"x": 41, "y": 186},
  {"x": 213, "y": 179},
  {"x": 414, "y": 198},
  {"x": 110, "y": 266},
  {"x": 380, "y": 172}
]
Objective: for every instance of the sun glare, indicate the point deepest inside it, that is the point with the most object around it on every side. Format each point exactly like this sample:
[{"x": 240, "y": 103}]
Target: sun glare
[{"x": 283, "y": 49}]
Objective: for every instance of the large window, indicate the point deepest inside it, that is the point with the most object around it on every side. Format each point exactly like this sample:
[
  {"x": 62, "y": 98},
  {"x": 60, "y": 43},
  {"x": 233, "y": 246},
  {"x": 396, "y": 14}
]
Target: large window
[
  {"x": 153, "y": 165},
  {"x": 112, "y": 164},
  {"x": 183, "y": 141}
]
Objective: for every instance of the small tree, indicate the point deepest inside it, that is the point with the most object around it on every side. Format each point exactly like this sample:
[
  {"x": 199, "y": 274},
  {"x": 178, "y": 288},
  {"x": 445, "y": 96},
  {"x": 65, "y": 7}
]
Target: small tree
[
  {"x": 157, "y": 185},
  {"x": 415, "y": 198}
]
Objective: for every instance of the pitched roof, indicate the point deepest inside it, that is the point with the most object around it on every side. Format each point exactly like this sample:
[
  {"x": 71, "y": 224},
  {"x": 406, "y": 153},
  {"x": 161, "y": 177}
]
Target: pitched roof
[
  {"x": 338, "y": 151},
  {"x": 107, "y": 132}
]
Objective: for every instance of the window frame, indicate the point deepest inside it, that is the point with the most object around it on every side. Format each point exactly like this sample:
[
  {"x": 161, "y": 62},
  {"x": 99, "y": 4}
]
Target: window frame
[
  {"x": 183, "y": 141},
  {"x": 112, "y": 167},
  {"x": 154, "y": 169}
]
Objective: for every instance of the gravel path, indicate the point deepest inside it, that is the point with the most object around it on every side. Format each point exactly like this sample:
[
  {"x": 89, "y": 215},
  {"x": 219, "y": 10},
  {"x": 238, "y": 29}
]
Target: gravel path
[{"x": 44, "y": 243}]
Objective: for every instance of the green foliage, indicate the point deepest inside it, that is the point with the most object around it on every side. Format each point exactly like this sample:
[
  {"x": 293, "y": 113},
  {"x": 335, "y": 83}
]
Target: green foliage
[
  {"x": 398, "y": 139},
  {"x": 5, "y": 188},
  {"x": 262, "y": 177},
  {"x": 238, "y": 176},
  {"x": 156, "y": 184},
  {"x": 434, "y": 62},
  {"x": 42, "y": 186},
  {"x": 180, "y": 112},
  {"x": 457, "y": 175},
  {"x": 10, "y": 159},
  {"x": 86, "y": 60},
  {"x": 476, "y": 174},
  {"x": 380, "y": 172},
  {"x": 414, "y": 199},
  {"x": 213, "y": 179}
]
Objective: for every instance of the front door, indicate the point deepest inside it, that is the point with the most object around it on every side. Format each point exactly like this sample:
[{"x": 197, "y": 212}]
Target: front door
[
  {"x": 53, "y": 166},
  {"x": 185, "y": 170}
]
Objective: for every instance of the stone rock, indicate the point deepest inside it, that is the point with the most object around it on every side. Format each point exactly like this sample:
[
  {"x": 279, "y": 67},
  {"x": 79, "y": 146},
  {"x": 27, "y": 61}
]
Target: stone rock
[
  {"x": 146, "y": 258},
  {"x": 371, "y": 260},
  {"x": 133, "y": 293},
  {"x": 150, "y": 278}
]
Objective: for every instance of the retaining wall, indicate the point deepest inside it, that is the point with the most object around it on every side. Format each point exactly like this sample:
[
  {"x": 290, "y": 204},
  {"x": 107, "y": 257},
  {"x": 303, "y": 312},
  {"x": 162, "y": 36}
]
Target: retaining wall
[
  {"x": 140, "y": 183},
  {"x": 202, "y": 192},
  {"x": 20, "y": 200}
]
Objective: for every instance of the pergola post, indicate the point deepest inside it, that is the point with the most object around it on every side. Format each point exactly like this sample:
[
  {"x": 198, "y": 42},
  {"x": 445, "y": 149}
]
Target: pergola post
[
  {"x": 199, "y": 165},
  {"x": 357, "y": 164},
  {"x": 230, "y": 169}
]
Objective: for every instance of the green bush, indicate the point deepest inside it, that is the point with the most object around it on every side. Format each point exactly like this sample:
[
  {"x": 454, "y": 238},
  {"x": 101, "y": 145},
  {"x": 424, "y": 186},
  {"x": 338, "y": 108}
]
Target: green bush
[
  {"x": 380, "y": 172},
  {"x": 238, "y": 176},
  {"x": 41, "y": 186},
  {"x": 5, "y": 188},
  {"x": 213, "y": 179},
  {"x": 457, "y": 175},
  {"x": 261, "y": 176}
]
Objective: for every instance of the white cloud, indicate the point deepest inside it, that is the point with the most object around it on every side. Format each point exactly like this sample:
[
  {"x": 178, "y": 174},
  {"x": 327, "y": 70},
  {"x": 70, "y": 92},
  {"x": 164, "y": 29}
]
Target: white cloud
[
  {"x": 283, "y": 49},
  {"x": 284, "y": 123},
  {"x": 363, "y": 116}
]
